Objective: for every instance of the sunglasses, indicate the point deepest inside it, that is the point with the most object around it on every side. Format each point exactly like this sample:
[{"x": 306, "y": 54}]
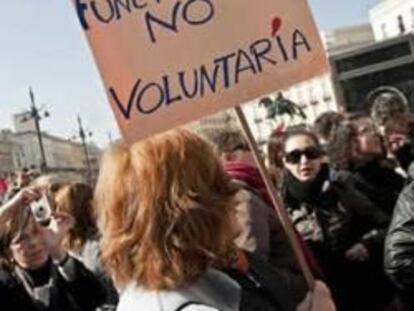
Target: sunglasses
[{"x": 311, "y": 153}]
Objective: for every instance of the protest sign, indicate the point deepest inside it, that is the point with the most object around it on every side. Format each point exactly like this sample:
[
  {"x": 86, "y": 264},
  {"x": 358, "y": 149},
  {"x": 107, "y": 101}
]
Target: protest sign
[{"x": 166, "y": 63}]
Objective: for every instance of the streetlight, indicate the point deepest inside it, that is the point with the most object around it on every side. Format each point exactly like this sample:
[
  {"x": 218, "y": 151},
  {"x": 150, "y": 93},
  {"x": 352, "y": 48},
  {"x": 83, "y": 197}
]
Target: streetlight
[
  {"x": 83, "y": 134},
  {"x": 35, "y": 114}
]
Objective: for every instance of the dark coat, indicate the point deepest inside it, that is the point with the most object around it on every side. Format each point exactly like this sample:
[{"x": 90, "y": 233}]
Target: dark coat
[
  {"x": 381, "y": 184},
  {"x": 399, "y": 246},
  {"x": 342, "y": 213},
  {"x": 74, "y": 289},
  {"x": 264, "y": 287},
  {"x": 337, "y": 218},
  {"x": 263, "y": 234}
]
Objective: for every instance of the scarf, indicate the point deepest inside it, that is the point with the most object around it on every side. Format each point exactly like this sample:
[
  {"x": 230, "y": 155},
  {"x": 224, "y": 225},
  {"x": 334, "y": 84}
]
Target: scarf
[
  {"x": 38, "y": 284},
  {"x": 373, "y": 171},
  {"x": 250, "y": 175},
  {"x": 405, "y": 156},
  {"x": 308, "y": 191}
]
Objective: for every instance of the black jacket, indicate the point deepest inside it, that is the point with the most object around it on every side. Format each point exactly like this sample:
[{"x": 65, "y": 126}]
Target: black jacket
[
  {"x": 332, "y": 218},
  {"x": 342, "y": 213},
  {"x": 381, "y": 184},
  {"x": 264, "y": 287},
  {"x": 263, "y": 234},
  {"x": 399, "y": 245},
  {"x": 74, "y": 288}
]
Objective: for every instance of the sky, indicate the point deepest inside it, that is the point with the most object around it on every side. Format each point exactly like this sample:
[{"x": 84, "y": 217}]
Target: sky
[{"x": 42, "y": 46}]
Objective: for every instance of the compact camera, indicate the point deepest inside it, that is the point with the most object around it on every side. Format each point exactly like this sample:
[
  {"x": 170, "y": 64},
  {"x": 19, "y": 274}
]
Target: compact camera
[{"x": 41, "y": 211}]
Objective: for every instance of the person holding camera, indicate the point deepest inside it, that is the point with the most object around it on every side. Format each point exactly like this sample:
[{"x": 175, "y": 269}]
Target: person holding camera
[{"x": 36, "y": 272}]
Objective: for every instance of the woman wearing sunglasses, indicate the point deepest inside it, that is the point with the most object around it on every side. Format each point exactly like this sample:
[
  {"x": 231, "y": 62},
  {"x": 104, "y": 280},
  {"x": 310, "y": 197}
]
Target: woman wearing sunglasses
[
  {"x": 339, "y": 224},
  {"x": 168, "y": 233}
]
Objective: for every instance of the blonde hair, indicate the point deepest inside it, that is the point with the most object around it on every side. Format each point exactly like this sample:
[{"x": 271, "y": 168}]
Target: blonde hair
[{"x": 164, "y": 208}]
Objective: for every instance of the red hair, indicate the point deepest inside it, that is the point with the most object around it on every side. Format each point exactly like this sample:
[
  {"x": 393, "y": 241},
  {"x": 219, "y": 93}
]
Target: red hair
[{"x": 164, "y": 208}]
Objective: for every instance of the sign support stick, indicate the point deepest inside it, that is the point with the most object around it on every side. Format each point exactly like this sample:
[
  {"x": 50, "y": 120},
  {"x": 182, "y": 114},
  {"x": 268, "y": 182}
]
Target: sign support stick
[{"x": 276, "y": 200}]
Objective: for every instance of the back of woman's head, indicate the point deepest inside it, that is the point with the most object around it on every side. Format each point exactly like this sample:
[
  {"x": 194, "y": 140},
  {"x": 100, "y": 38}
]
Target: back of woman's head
[
  {"x": 76, "y": 199},
  {"x": 275, "y": 157},
  {"x": 341, "y": 150},
  {"x": 226, "y": 140},
  {"x": 164, "y": 206},
  {"x": 275, "y": 150},
  {"x": 326, "y": 124},
  {"x": 387, "y": 105}
]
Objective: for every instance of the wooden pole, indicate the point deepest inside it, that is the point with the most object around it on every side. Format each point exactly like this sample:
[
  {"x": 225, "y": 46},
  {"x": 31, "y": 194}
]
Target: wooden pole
[{"x": 276, "y": 200}]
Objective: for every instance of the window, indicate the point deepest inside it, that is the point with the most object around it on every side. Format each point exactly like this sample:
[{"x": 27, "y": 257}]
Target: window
[
  {"x": 387, "y": 53},
  {"x": 401, "y": 25},
  {"x": 325, "y": 91}
]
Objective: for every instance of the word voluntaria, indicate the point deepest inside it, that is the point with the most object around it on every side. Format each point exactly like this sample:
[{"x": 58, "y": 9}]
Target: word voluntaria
[
  {"x": 223, "y": 72},
  {"x": 165, "y": 63},
  {"x": 182, "y": 13}
]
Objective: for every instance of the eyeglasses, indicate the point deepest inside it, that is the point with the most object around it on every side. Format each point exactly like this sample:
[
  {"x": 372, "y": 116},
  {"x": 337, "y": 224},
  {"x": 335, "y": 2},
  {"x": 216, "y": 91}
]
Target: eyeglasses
[{"x": 311, "y": 153}]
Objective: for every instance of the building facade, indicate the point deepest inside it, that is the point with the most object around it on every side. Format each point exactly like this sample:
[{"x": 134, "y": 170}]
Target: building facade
[
  {"x": 21, "y": 149},
  {"x": 60, "y": 153},
  {"x": 387, "y": 63},
  {"x": 349, "y": 37},
  {"x": 6, "y": 153},
  {"x": 392, "y": 18},
  {"x": 23, "y": 122}
]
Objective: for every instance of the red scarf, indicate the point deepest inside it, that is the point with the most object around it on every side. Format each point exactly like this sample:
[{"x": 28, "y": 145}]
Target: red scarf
[{"x": 250, "y": 175}]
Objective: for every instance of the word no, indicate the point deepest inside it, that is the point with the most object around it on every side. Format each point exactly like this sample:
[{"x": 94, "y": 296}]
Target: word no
[{"x": 192, "y": 12}]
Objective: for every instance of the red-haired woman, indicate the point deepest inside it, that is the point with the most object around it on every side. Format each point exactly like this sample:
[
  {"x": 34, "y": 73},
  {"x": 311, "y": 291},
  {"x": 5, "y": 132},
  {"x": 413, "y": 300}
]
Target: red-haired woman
[{"x": 166, "y": 211}]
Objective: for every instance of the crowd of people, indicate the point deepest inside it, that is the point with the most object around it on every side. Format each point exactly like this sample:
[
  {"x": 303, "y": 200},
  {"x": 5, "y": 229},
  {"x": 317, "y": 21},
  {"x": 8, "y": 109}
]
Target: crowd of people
[{"x": 184, "y": 221}]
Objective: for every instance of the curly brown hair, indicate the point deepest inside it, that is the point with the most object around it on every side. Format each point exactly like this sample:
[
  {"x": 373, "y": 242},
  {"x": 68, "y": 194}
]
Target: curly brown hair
[
  {"x": 9, "y": 229},
  {"x": 164, "y": 208},
  {"x": 76, "y": 199}
]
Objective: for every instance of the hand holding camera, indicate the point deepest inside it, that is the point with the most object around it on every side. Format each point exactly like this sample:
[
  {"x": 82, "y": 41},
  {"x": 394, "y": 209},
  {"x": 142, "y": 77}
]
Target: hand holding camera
[
  {"x": 58, "y": 226},
  {"x": 22, "y": 199},
  {"x": 41, "y": 210},
  {"x": 54, "y": 226}
]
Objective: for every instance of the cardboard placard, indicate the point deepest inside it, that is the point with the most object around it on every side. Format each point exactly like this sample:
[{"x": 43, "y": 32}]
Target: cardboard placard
[{"x": 166, "y": 63}]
